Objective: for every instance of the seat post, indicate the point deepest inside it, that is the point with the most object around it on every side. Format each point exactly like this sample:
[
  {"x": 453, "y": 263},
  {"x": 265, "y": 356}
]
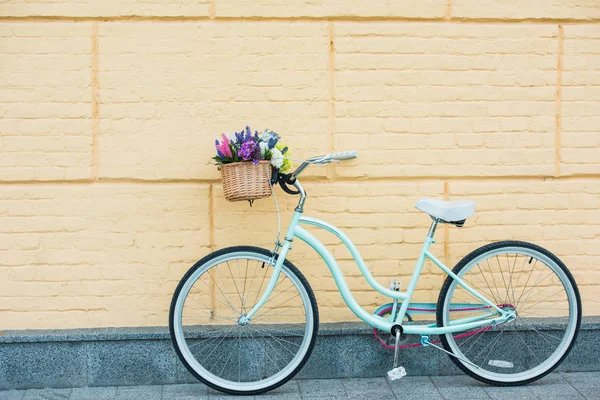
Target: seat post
[{"x": 434, "y": 224}]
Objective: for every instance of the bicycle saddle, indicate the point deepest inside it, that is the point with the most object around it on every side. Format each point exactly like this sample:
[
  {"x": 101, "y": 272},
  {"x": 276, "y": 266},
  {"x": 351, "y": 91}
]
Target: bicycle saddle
[{"x": 449, "y": 211}]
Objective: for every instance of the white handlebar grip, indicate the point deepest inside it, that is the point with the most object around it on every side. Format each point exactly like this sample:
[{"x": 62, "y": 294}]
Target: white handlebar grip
[{"x": 344, "y": 155}]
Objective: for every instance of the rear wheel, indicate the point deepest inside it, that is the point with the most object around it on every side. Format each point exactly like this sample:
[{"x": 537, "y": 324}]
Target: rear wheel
[
  {"x": 221, "y": 349},
  {"x": 515, "y": 276}
]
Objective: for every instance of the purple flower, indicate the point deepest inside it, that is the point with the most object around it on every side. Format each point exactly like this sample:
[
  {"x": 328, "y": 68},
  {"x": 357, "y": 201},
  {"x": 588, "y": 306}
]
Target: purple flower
[{"x": 248, "y": 149}]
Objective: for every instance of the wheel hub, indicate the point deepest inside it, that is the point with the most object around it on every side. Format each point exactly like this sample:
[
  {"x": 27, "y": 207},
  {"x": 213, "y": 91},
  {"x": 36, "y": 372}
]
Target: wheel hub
[{"x": 243, "y": 320}]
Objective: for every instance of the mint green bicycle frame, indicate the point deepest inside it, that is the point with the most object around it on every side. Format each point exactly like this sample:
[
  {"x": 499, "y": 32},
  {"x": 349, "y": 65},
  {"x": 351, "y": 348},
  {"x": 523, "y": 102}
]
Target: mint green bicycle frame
[{"x": 385, "y": 324}]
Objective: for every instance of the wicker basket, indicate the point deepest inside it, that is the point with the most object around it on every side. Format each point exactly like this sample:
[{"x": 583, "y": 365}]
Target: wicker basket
[{"x": 246, "y": 181}]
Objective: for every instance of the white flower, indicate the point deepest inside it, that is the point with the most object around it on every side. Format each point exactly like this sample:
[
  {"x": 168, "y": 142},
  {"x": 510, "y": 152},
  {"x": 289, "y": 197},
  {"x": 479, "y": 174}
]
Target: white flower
[
  {"x": 276, "y": 158},
  {"x": 230, "y": 136},
  {"x": 264, "y": 147}
]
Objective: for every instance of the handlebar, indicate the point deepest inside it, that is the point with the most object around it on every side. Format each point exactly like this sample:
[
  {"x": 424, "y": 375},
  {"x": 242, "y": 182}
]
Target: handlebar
[
  {"x": 344, "y": 155},
  {"x": 326, "y": 159}
]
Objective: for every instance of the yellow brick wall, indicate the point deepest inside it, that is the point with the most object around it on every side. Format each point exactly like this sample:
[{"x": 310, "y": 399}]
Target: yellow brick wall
[{"x": 109, "y": 111}]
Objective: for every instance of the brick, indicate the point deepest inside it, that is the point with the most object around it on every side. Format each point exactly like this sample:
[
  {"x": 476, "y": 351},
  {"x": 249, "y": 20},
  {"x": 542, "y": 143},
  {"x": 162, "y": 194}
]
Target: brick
[
  {"x": 184, "y": 84},
  {"x": 101, "y": 255},
  {"x": 580, "y": 140},
  {"x": 331, "y": 8},
  {"x": 529, "y": 9},
  {"x": 45, "y": 129},
  {"x": 561, "y": 216},
  {"x": 110, "y": 8},
  {"x": 452, "y": 100}
]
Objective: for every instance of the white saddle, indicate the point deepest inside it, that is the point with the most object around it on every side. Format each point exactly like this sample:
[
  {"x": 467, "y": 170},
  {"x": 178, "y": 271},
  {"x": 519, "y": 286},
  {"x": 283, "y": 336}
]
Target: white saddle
[{"x": 451, "y": 211}]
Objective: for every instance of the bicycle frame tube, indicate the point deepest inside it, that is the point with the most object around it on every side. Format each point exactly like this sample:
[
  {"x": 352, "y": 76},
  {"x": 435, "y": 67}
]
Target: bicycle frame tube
[{"x": 295, "y": 230}]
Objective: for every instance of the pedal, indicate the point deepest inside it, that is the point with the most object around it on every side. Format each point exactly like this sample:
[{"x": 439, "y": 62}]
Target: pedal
[{"x": 396, "y": 373}]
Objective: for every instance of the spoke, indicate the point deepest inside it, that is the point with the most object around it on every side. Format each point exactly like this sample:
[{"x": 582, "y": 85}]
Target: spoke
[
  {"x": 539, "y": 363},
  {"x": 275, "y": 308},
  {"x": 479, "y": 336},
  {"x": 503, "y": 280},
  {"x": 216, "y": 347},
  {"x": 278, "y": 339},
  {"x": 534, "y": 287},
  {"x": 510, "y": 282},
  {"x": 492, "y": 348},
  {"x": 251, "y": 282},
  {"x": 486, "y": 282},
  {"x": 212, "y": 338},
  {"x": 480, "y": 290},
  {"x": 535, "y": 304},
  {"x": 265, "y": 353},
  {"x": 240, "y": 357},
  {"x": 527, "y": 281},
  {"x": 487, "y": 261},
  {"x": 236, "y": 288},
  {"x": 220, "y": 302},
  {"x": 212, "y": 316},
  {"x": 278, "y": 294},
  {"x": 274, "y": 349},
  {"x": 263, "y": 281},
  {"x": 284, "y": 332},
  {"x": 489, "y": 344},
  {"x": 244, "y": 289},
  {"x": 538, "y": 332},
  {"x": 228, "y": 358},
  {"x": 220, "y": 291}
]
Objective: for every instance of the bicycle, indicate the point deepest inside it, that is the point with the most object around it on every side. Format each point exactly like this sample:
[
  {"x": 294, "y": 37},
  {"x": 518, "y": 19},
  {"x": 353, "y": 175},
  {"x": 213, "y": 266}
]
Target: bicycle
[{"x": 244, "y": 320}]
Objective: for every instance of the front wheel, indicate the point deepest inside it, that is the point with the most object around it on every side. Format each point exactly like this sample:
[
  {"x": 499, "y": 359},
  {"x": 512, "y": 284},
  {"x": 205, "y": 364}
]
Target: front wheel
[
  {"x": 519, "y": 277},
  {"x": 219, "y": 347}
]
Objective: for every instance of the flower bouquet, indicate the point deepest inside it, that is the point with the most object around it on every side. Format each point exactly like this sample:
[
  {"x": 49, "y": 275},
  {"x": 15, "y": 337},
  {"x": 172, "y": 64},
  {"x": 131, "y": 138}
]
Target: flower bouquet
[{"x": 246, "y": 161}]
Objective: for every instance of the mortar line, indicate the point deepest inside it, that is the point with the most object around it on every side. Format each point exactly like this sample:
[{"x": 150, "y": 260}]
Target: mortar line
[
  {"x": 212, "y": 9},
  {"x": 331, "y": 92},
  {"x": 140, "y": 18},
  {"x": 446, "y": 230},
  {"x": 558, "y": 117},
  {"x": 211, "y": 238},
  {"x": 448, "y": 12},
  {"x": 95, "y": 101},
  {"x": 310, "y": 179},
  {"x": 164, "y": 18}
]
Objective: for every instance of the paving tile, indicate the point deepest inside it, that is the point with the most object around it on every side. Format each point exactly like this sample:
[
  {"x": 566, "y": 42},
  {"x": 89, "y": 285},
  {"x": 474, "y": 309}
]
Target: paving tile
[
  {"x": 343, "y": 397},
  {"x": 415, "y": 387},
  {"x": 218, "y": 395},
  {"x": 94, "y": 393},
  {"x": 362, "y": 388},
  {"x": 455, "y": 381},
  {"x": 553, "y": 386},
  {"x": 509, "y": 392},
  {"x": 459, "y": 387},
  {"x": 590, "y": 393},
  {"x": 139, "y": 392},
  {"x": 583, "y": 379},
  {"x": 47, "y": 394},
  {"x": 12, "y": 394},
  {"x": 290, "y": 391},
  {"x": 462, "y": 393},
  {"x": 322, "y": 388},
  {"x": 185, "y": 392}
]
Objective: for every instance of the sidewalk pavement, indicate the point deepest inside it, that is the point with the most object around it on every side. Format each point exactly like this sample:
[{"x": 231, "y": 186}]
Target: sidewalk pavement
[{"x": 579, "y": 385}]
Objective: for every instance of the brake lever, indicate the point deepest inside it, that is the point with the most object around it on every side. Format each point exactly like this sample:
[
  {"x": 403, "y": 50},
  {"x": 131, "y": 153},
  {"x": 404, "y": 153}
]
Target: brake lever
[{"x": 285, "y": 180}]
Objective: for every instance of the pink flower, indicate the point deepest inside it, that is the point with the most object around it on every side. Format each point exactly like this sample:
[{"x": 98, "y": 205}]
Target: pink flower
[{"x": 223, "y": 148}]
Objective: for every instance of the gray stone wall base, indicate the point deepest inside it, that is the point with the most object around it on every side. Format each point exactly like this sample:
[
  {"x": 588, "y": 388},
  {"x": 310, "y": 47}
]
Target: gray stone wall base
[{"x": 145, "y": 356}]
